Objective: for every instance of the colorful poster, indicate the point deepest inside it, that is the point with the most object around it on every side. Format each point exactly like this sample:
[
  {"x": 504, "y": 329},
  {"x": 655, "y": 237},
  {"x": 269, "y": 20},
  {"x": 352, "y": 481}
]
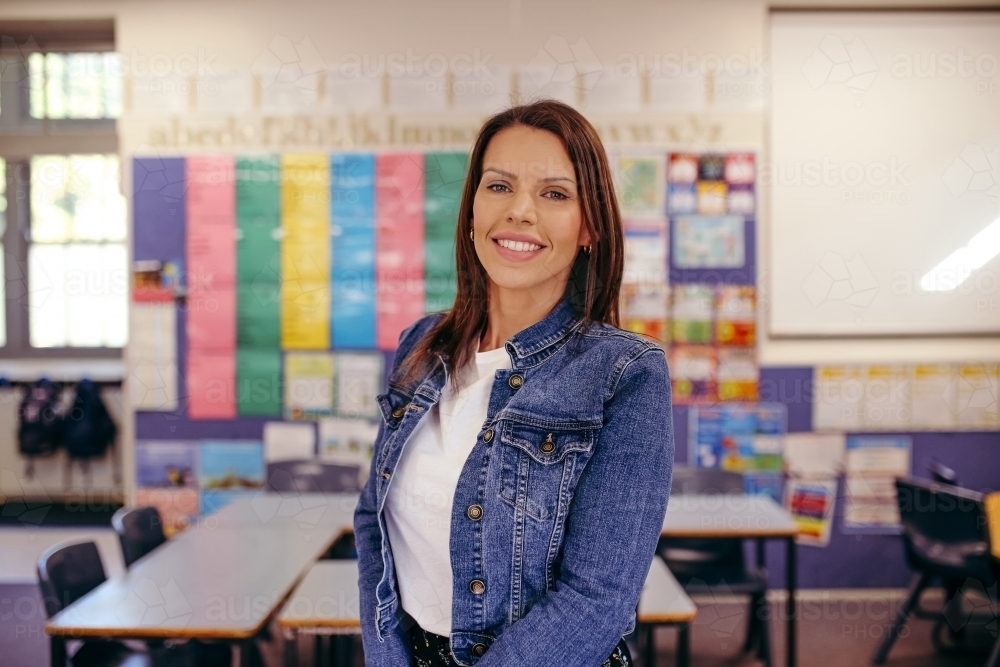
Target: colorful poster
[
  {"x": 309, "y": 382},
  {"x": 811, "y": 504},
  {"x": 444, "y": 179},
  {"x": 736, "y": 316},
  {"x": 713, "y": 197},
  {"x": 259, "y": 387},
  {"x": 642, "y": 186},
  {"x": 738, "y": 374},
  {"x": 873, "y": 464},
  {"x": 166, "y": 463},
  {"x": 359, "y": 380},
  {"x": 352, "y": 202},
  {"x": 399, "y": 258},
  {"x": 305, "y": 252},
  {"x": 692, "y": 313},
  {"x": 693, "y": 372},
  {"x": 229, "y": 469},
  {"x": 211, "y": 283},
  {"x": 645, "y": 310},
  {"x": 740, "y": 437},
  {"x": 708, "y": 242},
  {"x": 645, "y": 254}
]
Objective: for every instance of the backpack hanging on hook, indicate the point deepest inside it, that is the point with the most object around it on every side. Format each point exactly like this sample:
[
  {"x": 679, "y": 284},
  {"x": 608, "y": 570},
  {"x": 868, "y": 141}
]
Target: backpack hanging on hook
[
  {"x": 89, "y": 428},
  {"x": 40, "y": 423}
]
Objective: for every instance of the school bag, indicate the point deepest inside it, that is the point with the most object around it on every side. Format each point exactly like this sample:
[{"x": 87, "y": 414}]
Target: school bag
[
  {"x": 40, "y": 422},
  {"x": 89, "y": 429}
]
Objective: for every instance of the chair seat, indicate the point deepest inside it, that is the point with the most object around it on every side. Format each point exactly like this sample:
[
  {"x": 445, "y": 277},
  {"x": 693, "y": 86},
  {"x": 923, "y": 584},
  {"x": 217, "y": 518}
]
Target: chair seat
[
  {"x": 740, "y": 582},
  {"x": 99, "y": 653}
]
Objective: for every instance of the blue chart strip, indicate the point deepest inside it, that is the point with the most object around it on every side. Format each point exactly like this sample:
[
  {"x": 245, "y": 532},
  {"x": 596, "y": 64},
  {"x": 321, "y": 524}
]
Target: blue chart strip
[{"x": 352, "y": 202}]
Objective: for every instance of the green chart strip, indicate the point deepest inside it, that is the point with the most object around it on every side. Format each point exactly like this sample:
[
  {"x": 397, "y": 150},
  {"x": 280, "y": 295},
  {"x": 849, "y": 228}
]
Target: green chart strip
[
  {"x": 444, "y": 178},
  {"x": 258, "y": 274}
]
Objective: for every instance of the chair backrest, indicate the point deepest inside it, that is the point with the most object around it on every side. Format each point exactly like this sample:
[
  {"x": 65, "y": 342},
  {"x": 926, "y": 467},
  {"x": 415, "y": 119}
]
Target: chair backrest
[
  {"x": 140, "y": 530},
  {"x": 689, "y": 479},
  {"x": 944, "y": 528},
  {"x": 67, "y": 572}
]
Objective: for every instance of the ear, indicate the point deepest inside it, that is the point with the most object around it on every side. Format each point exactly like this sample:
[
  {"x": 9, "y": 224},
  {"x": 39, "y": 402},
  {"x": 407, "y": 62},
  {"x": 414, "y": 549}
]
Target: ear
[{"x": 583, "y": 238}]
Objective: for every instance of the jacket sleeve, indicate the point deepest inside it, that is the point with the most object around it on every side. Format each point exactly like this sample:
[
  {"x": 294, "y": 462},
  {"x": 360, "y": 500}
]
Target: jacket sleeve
[
  {"x": 612, "y": 530},
  {"x": 393, "y": 650}
]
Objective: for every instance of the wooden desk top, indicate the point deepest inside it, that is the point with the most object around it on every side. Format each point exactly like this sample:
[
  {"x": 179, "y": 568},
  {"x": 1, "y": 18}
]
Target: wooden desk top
[
  {"x": 663, "y": 600},
  {"x": 726, "y": 515},
  {"x": 220, "y": 582},
  {"x": 327, "y": 597}
]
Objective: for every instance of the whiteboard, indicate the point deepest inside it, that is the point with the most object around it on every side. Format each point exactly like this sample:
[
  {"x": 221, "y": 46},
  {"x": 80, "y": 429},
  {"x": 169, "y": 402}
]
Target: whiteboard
[{"x": 883, "y": 173}]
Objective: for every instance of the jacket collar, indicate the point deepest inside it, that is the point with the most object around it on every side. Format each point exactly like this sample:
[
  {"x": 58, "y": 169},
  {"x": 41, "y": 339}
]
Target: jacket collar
[{"x": 539, "y": 341}]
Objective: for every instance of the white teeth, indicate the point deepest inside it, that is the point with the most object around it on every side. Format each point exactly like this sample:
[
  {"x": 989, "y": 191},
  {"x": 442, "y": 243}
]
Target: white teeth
[{"x": 518, "y": 246}]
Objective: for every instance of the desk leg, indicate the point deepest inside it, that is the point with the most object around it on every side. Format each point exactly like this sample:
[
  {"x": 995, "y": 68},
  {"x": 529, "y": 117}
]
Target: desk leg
[
  {"x": 57, "y": 651},
  {"x": 649, "y": 650},
  {"x": 761, "y": 554},
  {"x": 790, "y": 581},
  {"x": 291, "y": 647},
  {"x": 244, "y": 649},
  {"x": 683, "y": 644}
]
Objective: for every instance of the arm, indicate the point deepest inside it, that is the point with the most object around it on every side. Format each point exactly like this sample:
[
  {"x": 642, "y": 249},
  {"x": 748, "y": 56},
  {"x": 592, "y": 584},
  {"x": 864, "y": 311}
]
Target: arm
[
  {"x": 393, "y": 650},
  {"x": 612, "y": 530}
]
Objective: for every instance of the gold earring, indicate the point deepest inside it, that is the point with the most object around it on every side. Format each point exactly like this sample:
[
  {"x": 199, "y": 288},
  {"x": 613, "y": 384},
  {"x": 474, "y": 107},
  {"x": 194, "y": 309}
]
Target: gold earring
[
  {"x": 586, "y": 250},
  {"x": 472, "y": 234}
]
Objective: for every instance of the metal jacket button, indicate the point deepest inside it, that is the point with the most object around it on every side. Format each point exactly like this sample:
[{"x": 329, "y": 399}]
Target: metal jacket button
[
  {"x": 515, "y": 381},
  {"x": 398, "y": 412},
  {"x": 477, "y": 587},
  {"x": 488, "y": 435},
  {"x": 474, "y": 512},
  {"x": 478, "y": 649},
  {"x": 548, "y": 445}
]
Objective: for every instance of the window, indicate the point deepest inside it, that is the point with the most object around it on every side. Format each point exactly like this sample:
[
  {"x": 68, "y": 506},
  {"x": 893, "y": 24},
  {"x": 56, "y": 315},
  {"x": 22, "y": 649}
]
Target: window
[
  {"x": 75, "y": 85},
  {"x": 77, "y": 256},
  {"x": 65, "y": 268}
]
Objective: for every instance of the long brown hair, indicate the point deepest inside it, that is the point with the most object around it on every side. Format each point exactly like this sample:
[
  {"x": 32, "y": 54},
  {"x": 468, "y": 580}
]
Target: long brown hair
[{"x": 595, "y": 279}]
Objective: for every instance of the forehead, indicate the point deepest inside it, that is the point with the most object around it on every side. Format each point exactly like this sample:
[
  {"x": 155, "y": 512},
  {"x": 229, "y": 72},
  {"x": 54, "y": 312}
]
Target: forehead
[{"x": 528, "y": 152}]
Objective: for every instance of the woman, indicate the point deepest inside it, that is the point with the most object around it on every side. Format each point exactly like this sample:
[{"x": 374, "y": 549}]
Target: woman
[{"x": 522, "y": 468}]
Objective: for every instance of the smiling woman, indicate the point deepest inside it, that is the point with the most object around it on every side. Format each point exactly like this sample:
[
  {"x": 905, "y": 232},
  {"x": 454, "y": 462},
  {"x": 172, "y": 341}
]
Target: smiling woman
[{"x": 523, "y": 432}]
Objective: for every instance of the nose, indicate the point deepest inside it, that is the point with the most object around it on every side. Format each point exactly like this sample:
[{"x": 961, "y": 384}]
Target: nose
[{"x": 522, "y": 208}]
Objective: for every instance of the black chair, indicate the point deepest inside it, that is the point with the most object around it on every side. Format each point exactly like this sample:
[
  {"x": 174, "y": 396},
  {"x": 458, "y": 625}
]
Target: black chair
[
  {"x": 946, "y": 539},
  {"x": 65, "y": 574},
  {"x": 718, "y": 565},
  {"x": 140, "y": 530}
]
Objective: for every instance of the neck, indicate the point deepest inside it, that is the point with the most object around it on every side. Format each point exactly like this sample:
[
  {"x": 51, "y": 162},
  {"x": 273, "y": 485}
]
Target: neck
[{"x": 511, "y": 311}]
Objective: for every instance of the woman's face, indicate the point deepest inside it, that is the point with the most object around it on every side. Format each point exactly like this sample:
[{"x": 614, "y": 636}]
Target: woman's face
[{"x": 526, "y": 214}]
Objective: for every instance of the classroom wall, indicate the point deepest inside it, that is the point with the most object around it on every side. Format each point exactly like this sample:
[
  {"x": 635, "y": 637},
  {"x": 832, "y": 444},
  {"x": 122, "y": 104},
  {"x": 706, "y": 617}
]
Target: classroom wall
[{"x": 236, "y": 34}]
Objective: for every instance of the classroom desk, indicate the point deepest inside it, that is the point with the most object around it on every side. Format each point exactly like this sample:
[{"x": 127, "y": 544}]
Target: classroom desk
[
  {"x": 743, "y": 516},
  {"x": 220, "y": 579},
  {"x": 326, "y": 603}
]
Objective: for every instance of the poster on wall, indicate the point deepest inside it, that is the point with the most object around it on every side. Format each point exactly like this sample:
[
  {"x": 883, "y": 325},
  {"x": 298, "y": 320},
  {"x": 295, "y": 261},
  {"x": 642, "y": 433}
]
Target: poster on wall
[
  {"x": 811, "y": 503},
  {"x": 872, "y": 466}
]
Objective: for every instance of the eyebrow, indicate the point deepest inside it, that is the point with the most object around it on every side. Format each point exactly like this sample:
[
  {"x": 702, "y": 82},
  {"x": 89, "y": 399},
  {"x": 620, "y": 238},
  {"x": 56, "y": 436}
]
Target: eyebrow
[{"x": 509, "y": 175}]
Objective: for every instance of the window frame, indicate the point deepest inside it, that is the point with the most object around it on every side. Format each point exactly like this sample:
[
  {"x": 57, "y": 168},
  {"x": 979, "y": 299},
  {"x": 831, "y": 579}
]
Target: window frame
[{"x": 24, "y": 137}]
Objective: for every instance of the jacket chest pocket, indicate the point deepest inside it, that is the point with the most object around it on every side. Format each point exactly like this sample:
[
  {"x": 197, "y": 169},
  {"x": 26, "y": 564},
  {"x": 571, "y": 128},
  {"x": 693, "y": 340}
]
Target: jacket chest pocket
[{"x": 538, "y": 464}]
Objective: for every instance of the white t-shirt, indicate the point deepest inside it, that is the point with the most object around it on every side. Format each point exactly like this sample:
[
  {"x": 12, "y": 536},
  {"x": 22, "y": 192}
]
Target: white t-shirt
[{"x": 419, "y": 500}]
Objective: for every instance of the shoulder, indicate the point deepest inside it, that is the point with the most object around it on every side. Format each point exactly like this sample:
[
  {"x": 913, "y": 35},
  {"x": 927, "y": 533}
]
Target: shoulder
[
  {"x": 413, "y": 334},
  {"x": 627, "y": 356}
]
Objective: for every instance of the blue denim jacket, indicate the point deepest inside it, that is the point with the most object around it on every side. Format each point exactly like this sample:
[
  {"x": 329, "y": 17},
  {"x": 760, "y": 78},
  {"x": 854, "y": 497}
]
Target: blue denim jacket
[{"x": 558, "y": 507}]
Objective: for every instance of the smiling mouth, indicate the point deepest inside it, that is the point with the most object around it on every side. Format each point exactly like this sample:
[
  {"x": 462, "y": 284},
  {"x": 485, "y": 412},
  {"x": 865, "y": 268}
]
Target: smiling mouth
[{"x": 517, "y": 246}]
